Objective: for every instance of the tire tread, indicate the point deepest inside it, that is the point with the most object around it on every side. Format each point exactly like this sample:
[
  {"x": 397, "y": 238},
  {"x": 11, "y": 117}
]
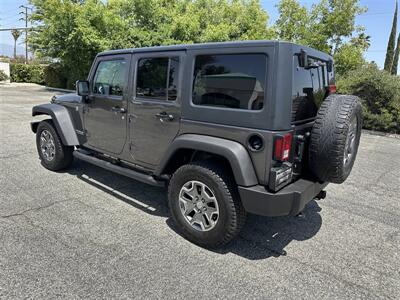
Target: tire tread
[{"x": 228, "y": 187}]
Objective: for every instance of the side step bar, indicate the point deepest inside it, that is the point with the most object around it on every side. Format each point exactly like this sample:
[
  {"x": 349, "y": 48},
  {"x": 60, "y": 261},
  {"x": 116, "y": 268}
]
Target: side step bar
[{"x": 120, "y": 170}]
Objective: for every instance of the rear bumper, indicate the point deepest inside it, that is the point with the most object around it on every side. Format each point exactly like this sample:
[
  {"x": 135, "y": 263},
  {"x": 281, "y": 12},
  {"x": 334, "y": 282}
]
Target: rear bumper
[{"x": 288, "y": 201}]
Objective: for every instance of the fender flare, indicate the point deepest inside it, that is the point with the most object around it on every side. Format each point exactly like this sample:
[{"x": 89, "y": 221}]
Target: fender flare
[
  {"x": 61, "y": 119},
  {"x": 234, "y": 152}
]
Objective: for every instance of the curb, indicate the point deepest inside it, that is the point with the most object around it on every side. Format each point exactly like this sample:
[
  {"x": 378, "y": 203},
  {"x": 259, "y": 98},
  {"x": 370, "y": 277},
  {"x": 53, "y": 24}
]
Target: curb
[{"x": 380, "y": 133}]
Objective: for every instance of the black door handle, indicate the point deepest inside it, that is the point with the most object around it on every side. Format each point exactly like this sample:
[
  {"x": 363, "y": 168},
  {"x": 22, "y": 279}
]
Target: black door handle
[
  {"x": 165, "y": 115},
  {"x": 118, "y": 109}
]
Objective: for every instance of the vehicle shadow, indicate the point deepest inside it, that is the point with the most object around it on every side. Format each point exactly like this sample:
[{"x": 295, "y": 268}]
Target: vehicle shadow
[
  {"x": 150, "y": 199},
  {"x": 264, "y": 237},
  {"x": 261, "y": 237}
]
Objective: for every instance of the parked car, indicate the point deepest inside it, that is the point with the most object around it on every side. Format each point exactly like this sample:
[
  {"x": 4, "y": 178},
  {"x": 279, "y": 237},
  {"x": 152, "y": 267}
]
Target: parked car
[{"x": 230, "y": 128}]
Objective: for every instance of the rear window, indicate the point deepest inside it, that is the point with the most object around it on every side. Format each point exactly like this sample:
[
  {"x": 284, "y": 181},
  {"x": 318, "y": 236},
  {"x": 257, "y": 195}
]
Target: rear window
[{"x": 235, "y": 81}]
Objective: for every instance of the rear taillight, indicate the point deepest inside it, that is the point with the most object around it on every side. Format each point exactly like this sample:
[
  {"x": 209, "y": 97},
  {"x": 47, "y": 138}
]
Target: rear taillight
[
  {"x": 332, "y": 89},
  {"x": 282, "y": 147}
]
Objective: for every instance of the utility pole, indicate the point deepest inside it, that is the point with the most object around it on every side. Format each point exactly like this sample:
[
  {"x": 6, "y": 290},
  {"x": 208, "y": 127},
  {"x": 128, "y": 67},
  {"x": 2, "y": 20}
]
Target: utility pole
[{"x": 25, "y": 18}]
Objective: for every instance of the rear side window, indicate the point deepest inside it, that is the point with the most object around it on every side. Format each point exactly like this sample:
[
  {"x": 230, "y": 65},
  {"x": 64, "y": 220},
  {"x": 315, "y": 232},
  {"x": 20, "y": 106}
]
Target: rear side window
[
  {"x": 157, "y": 78},
  {"x": 230, "y": 80},
  {"x": 308, "y": 90},
  {"x": 110, "y": 78}
]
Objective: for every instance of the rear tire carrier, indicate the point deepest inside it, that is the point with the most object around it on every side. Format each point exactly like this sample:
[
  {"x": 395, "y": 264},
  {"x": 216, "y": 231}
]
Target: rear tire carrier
[{"x": 335, "y": 137}]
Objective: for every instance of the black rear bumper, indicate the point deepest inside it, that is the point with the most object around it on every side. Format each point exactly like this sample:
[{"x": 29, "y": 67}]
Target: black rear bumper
[{"x": 288, "y": 201}]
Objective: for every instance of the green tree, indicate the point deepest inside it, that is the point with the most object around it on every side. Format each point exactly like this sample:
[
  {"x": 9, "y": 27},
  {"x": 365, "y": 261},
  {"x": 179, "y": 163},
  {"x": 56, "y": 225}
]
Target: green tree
[
  {"x": 155, "y": 22},
  {"x": 293, "y": 23},
  {"x": 71, "y": 32},
  {"x": 74, "y": 31},
  {"x": 391, "y": 43},
  {"x": 326, "y": 25},
  {"x": 348, "y": 58},
  {"x": 396, "y": 57}
]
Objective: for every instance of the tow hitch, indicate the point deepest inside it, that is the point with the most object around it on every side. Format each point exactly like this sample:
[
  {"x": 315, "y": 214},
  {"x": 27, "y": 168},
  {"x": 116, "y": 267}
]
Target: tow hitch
[{"x": 319, "y": 196}]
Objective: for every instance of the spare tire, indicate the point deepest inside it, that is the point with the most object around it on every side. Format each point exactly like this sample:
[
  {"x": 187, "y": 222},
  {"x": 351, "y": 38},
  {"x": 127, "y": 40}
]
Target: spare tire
[{"x": 335, "y": 137}]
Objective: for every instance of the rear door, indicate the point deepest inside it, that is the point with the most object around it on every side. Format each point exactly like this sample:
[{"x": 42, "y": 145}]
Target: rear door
[
  {"x": 105, "y": 117},
  {"x": 155, "y": 106}
]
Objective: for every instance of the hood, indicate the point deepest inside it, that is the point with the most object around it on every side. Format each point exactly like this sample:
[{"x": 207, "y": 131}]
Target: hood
[{"x": 72, "y": 98}]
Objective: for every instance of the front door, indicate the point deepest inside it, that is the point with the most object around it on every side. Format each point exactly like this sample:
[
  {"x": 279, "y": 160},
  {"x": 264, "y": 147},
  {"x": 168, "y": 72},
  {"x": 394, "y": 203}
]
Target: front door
[
  {"x": 155, "y": 105},
  {"x": 105, "y": 116}
]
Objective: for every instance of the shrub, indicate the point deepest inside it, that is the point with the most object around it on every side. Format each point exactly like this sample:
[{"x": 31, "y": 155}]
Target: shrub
[
  {"x": 380, "y": 93},
  {"x": 3, "y": 76},
  {"x": 54, "y": 76},
  {"x": 348, "y": 58},
  {"x": 27, "y": 73},
  {"x": 50, "y": 75}
]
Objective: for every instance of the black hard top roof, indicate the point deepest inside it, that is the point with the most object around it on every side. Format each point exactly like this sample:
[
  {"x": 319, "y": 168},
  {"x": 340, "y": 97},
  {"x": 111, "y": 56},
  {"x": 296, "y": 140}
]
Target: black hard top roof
[{"x": 199, "y": 46}]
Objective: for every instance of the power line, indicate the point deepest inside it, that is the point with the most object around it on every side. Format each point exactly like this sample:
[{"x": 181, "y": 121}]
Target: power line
[
  {"x": 25, "y": 18},
  {"x": 16, "y": 28}
]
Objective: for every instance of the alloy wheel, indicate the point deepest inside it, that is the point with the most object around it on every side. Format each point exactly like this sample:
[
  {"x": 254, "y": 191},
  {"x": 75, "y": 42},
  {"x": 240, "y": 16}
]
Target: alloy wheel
[
  {"x": 198, "y": 205},
  {"x": 47, "y": 145},
  {"x": 350, "y": 148}
]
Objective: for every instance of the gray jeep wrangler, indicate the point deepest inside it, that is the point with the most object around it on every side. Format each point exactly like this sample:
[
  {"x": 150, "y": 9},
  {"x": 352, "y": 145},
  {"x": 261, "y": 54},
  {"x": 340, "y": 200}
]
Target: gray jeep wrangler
[{"x": 230, "y": 128}]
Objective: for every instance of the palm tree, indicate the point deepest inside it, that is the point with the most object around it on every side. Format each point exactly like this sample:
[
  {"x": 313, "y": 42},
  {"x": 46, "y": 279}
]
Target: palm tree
[{"x": 16, "y": 34}]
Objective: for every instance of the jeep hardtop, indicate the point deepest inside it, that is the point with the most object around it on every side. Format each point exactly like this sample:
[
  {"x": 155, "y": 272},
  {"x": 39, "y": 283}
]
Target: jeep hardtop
[{"x": 231, "y": 128}]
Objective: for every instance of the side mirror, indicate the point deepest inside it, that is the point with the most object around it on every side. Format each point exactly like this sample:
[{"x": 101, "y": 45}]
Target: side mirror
[{"x": 82, "y": 87}]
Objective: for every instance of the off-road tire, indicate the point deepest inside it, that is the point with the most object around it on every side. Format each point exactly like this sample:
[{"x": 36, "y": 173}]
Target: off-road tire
[
  {"x": 63, "y": 154},
  {"x": 329, "y": 135},
  {"x": 232, "y": 214}
]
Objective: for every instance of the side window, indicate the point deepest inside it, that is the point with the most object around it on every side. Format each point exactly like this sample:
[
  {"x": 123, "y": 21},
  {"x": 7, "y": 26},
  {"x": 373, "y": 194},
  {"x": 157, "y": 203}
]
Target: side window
[
  {"x": 110, "y": 78},
  {"x": 303, "y": 80},
  {"x": 157, "y": 78},
  {"x": 316, "y": 79},
  {"x": 230, "y": 80}
]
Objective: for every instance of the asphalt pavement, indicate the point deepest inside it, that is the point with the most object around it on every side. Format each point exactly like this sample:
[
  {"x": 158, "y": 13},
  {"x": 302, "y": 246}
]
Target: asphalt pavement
[{"x": 89, "y": 233}]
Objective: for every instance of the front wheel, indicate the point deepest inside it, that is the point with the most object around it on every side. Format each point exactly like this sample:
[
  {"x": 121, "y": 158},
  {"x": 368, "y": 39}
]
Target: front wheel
[
  {"x": 205, "y": 205},
  {"x": 53, "y": 154}
]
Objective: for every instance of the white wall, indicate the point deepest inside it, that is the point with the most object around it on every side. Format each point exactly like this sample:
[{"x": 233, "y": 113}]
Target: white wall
[{"x": 6, "y": 68}]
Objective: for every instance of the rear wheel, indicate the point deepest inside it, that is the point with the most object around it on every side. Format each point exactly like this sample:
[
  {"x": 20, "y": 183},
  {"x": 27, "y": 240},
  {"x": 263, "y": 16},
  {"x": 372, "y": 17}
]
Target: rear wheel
[
  {"x": 53, "y": 154},
  {"x": 205, "y": 205},
  {"x": 335, "y": 137}
]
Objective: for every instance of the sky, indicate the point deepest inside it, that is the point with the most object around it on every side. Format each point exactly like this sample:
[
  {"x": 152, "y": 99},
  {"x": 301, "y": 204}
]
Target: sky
[{"x": 377, "y": 21}]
